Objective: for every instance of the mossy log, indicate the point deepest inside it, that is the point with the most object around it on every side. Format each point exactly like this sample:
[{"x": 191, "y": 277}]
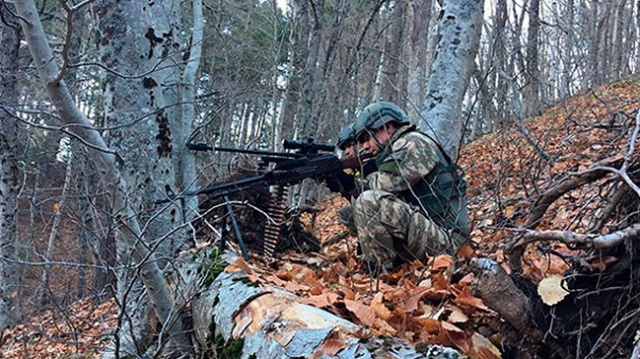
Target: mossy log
[{"x": 234, "y": 318}]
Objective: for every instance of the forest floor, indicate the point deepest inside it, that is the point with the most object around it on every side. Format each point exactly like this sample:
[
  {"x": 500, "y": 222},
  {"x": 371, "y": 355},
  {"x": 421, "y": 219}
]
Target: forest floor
[{"x": 421, "y": 303}]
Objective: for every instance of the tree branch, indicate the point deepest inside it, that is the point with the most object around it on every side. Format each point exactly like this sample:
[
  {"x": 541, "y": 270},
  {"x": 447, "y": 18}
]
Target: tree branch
[
  {"x": 579, "y": 240},
  {"x": 570, "y": 183}
]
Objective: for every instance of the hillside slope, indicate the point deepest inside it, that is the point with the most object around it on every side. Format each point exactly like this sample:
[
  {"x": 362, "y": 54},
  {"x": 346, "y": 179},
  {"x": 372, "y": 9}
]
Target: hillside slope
[
  {"x": 507, "y": 175},
  {"x": 508, "y": 180}
]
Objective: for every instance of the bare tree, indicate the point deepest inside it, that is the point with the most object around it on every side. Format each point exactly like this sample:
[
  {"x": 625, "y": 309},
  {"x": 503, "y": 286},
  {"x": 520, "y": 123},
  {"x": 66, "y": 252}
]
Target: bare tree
[
  {"x": 393, "y": 68},
  {"x": 532, "y": 88},
  {"x": 10, "y": 36},
  {"x": 115, "y": 182},
  {"x": 459, "y": 33},
  {"x": 419, "y": 19}
]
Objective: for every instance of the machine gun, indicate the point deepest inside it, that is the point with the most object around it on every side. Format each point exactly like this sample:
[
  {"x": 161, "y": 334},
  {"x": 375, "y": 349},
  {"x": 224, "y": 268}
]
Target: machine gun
[
  {"x": 310, "y": 160},
  {"x": 290, "y": 168}
]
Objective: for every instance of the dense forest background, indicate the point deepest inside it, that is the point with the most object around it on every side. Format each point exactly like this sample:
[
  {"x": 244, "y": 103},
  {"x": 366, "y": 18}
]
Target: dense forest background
[{"x": 98, "y": 99}]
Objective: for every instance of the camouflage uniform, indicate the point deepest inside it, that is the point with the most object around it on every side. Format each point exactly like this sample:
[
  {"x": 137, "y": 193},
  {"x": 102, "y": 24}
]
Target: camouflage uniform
[{"x": 392, "y": 222}]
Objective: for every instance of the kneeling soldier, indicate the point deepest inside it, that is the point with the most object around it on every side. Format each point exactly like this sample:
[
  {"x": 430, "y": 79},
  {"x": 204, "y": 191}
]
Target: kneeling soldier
[{"x": 415, "y": 204}]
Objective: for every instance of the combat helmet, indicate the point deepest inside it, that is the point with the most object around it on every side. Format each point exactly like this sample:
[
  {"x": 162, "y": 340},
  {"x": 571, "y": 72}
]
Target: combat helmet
[
  {"x": 378, "y": 114},
  {"x": 345, "y": 136}
]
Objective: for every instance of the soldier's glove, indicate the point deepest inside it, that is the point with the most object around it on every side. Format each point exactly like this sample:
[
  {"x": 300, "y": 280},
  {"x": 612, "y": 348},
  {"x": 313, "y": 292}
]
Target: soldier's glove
[{"x": 340, "y": 182}]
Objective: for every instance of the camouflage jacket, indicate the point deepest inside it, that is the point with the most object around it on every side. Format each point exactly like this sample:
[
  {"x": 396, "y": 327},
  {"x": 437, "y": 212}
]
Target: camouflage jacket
[{"x": 412, "y": 167}]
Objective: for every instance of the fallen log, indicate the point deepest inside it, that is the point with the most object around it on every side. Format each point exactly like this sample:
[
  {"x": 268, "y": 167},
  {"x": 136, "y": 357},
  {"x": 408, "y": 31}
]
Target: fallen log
[
  {"x": 232, "y": 317},
  {"x": 500, "y": 293}
]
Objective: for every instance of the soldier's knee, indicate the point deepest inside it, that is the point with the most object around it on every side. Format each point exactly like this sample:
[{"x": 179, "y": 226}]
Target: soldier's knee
[
  {"x": 345, "y": 214},
  {"x": 371, "y": 200}
]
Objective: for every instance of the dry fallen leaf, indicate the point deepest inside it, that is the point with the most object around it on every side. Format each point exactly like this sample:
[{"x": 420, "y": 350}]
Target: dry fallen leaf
[
  {"x": 457, "y": 336},
  {"x": 552, "y": 290},
  {"x": 322, "y": 300},
  {"x": 467, "y": 301},
  {"x": 364, "y": 313},
  {"x": 381, "y": 310},
  {"x": 483, "y": 348},
  {"x": 330, "y": 347},
  {"x": 440, "y": 262},
  {"x": 238, "y": 266}
]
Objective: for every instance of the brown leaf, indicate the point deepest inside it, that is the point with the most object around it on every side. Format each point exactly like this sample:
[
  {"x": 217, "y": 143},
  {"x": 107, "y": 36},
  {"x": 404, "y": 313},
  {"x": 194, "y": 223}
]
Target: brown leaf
[
  {"x": 429, "y": 325},
  {"x": 381, "y": 310},
  {"x": 330, "y": 347},
  {"x": 465, "y": 253},
  {"x": 456, "y": 316},
  {"x": 295, "y": 287},
  {"x": 364, "y": 313},
  {"x": 322, "y": 300},
  {"x": 466, "y": 299},
  {"x": 412, "y": 300},
  {"x": 482, "y": 348},
  {"x": 457, "y": 336},
  {"x": 238, "y": 266},
  {"x": 440, "y": 262}
]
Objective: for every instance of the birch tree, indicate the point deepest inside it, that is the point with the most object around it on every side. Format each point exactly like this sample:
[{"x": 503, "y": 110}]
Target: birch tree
[
  {"x": 459, "y": 31},
  {"x": 128, "y": 184}
]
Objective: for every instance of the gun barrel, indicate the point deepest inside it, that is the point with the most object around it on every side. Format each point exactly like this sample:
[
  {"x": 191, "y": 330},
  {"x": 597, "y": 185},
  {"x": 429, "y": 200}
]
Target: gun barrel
[
  {"x": 198, "y": 147},
  {"x": 258, "y": 152}
]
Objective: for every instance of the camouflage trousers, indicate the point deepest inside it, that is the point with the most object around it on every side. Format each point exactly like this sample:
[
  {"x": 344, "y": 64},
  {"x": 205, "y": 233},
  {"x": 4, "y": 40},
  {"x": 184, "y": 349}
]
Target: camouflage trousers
[
  {"x": 345, "y": 216},
  {"x": 392, "y": 231}
]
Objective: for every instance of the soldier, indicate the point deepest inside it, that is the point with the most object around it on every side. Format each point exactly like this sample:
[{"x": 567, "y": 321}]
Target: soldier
[
  {"x": 346, "y": 143},
  {"x": 415, "y": 203}
]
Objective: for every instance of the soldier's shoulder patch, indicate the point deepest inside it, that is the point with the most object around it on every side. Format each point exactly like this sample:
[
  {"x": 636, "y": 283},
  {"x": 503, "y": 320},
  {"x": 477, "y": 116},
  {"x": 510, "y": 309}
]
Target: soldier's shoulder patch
[
  {"x": 390, "y": 167},
  {"x": 399, "y": 144}
]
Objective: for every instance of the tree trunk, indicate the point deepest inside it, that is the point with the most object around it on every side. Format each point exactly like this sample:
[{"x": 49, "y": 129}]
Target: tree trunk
[
  {"x": 298, "y": 53},
  {"x": 145, "y": 111},
  {"x": 393, "y": 82},
  {"x": 636, "y": 38},
  {"x": 10, "y": 311},
  {"x": 326, "y": 111},
  {"x": 105, "y": 159},
  {"x": 419, "y": 18},
  {"x": 532, "y": 89},
  {"x": 187, "y": 168},
  {"x": 459, "y": 33},
  {"x": 44, "y": 295},
  {"x": 311, "y": 74}
]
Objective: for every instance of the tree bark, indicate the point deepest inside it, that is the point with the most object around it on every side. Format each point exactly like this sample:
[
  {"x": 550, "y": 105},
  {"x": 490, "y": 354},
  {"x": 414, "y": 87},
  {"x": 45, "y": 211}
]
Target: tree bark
[
  {"x": 10, "y": 35},
  {"x": 499, "y": 292},
  {"x": 533, "y": 82},
  {"x": 187, "y": 168},
  {"x": 459, "y": 32},
  {"x": 419, "y": 19},
  {"x": 106, "y": 161},
  {"x": 393, "y": 83}
]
